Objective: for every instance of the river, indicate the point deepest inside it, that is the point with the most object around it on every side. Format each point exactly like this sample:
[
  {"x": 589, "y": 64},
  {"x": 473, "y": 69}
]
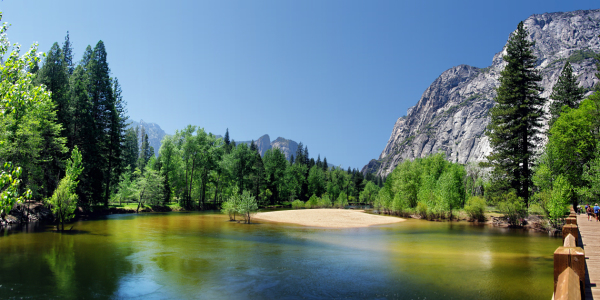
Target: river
[{"x": 203, "y": 256}]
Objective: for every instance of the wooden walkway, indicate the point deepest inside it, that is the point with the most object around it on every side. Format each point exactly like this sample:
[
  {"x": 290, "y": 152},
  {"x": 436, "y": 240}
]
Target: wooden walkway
[{"x": 589, "y": 232}]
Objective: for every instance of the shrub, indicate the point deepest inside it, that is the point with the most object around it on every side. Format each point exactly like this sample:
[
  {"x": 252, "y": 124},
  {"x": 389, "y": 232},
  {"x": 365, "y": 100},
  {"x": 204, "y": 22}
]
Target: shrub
[
  {"x": 324, "y": 201},
  {"x": 399, "y": 204},
  {"x": 312, "y": 202},
  {"x": 297, "y": 204},
  {"x": 513, "y": 208},
  {"x": 422, "y": 209},
  {"x": 475, "y": 208},
  {"x": 247, "y": 206},
  {"x": 342, "y": 200},
  {"x": 559, "y": 202}
]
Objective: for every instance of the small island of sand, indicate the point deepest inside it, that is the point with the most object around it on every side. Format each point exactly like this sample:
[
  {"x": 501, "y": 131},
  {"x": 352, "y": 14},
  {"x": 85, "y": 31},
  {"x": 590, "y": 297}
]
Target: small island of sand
[{"x": 329, "y": 218}]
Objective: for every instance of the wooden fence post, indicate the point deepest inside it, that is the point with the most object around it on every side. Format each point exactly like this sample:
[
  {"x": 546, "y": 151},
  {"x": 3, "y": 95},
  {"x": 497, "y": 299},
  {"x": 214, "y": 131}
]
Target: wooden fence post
[
  {"x": 571, "y": 229},
  {"x": 568, "y": 286}
]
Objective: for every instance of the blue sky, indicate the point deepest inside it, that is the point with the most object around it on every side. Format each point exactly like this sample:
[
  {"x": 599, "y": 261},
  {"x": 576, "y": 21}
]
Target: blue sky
[{"x": 335, "y": 75}]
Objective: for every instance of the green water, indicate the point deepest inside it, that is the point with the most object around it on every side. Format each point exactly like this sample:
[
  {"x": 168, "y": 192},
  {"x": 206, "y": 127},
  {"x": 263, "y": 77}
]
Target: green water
[{"x": 202, "y": 255}]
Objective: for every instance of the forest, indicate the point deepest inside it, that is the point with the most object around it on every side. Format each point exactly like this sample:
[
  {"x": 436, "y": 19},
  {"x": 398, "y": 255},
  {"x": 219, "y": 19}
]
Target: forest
[{"x": 66, "y": 141}]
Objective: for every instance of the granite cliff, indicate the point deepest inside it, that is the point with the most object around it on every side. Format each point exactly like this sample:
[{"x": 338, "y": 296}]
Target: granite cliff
[{"x": 452, "y": 114}]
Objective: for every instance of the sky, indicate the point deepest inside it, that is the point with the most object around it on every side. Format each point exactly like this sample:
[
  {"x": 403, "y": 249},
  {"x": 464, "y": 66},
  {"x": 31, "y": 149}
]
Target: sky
[{"x": 332, "y": 74}]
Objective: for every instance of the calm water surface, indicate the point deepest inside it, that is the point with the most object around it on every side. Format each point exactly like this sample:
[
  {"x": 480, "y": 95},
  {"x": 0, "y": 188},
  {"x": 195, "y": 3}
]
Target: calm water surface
[{"x": 202, "y": 255}]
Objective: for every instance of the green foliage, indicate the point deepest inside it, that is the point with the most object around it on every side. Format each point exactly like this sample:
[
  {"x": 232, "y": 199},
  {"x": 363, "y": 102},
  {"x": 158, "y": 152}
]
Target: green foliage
[
  {"x": 580, "y": 55},
  {"x": 149, "y": 187},
  {"x": 432, "y": 181},
  {"x": 247, "y": 206},
  {"x": 591, "y": 175},
  {"x": 342, "y": 200},
  {"x": 316, "y": 181},
  {"x": 64, "y": 200},
  {"x": 313, "y": 202},
  {"x": 9, "y": 188},
  {"x": 244, "y": 205},
  {"x": 558, "y": 206},
  {"x": 513, "y": 208},
  {"x": 296, "y": 204},
  {"x": 516, "y": 118},
  {"x": 475, "y": 208},
  {"x": 369, "y": 194},
  {"x": 566, "y": 92},
  {"x": 324, "y": 201},
  {"x": 422, "y": 210},
  {"x": 399, "y": 204}
]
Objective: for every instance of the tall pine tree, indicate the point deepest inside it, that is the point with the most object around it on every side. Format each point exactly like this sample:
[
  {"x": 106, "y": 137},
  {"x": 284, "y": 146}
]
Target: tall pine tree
[
  {"x": 516, "y": 118},
  {"x": 565, "y": 92}
]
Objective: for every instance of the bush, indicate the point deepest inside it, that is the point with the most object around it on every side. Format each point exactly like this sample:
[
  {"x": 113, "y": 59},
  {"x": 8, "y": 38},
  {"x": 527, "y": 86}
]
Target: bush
[
  {"x": 399, "y": 204},
  {"x": 247, "y": 206},
  {"x": 475, "y": 208},
  {"x": 342, "y": 200},
  {"x": 513, "y": 208},
  {"x": 297, "y": 204},
  {"x": 324, "y": 201},
  {"x": 313, "y": 202},
  {"x": 422, "y": 210},
  {"x": 561, "y": 197}
]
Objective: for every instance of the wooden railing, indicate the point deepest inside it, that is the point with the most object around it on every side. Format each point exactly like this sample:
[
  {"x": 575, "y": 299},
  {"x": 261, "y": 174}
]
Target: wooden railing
[{"x": 569, "y": 263}]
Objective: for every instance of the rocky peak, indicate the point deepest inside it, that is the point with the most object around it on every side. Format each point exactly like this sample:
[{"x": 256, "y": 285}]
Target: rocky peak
[{"x": 452, "y": 114}]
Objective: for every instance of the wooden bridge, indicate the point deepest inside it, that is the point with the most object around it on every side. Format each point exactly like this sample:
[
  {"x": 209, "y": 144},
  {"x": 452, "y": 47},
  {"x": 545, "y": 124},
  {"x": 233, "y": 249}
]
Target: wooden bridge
[
  {"x": 589, "y": 232},
  {"x": 577, "y": 262}
]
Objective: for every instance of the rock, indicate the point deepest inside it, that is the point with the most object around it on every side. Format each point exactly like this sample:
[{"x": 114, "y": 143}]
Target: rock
[{"x": 452, "y": 114}]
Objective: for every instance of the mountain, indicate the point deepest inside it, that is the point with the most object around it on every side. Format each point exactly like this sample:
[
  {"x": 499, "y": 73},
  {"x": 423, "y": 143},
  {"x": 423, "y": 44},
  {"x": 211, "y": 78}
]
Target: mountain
[
  {"x": 452, "y": 114},
  {"x": 154, "y": 132},
  {"x": 288, "y": 147}
]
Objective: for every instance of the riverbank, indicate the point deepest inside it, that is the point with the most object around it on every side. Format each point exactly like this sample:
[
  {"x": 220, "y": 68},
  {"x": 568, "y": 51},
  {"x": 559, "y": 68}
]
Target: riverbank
[
  {"x": 36, "y": 211},
  {"x": 328, "y": 218}
]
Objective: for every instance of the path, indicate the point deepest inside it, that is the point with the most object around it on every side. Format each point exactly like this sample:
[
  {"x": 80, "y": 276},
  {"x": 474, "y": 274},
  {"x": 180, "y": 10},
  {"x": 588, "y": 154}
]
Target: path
[{"x": 590, "y": 235}]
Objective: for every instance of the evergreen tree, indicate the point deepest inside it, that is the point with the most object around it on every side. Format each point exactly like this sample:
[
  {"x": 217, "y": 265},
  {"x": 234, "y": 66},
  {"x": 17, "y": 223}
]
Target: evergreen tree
[
  {"x": 565, "y": 92},
  {"x": 300, "y": 154},
  {"x": 319, "y": 163},
  {"x": 516, "y": 117},
  {"x": 130, "y": 148},
  {"x": 54, "y": 76},
  {"x": 291, "y": 159},
  {"x": 227, "y": 142},
  {"x": 145, "y": 153},
  {"x": 325, "y": 165},
  {"x": 306, "y": 156},
  {"x": 68, "y": 55}
]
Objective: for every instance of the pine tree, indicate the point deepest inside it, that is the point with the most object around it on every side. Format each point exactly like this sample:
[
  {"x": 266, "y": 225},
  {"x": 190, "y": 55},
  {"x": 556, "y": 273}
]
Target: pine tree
[
  {"x": 300, "y": 154},
  {"x": 306, "y": 156},
  {"x": 565, "y": 92},
  {"x": 516, "y": 119},
  {"x": 325, "y": 165},
  {"x": 144, "y": 150},
  {"x": 68, "y": 55},
  {"x": 227, "y": 142},
  {"x": 291, "y": 159},
  {"x": 54, "y": 76},
  {"x": 319, "y": 163}
]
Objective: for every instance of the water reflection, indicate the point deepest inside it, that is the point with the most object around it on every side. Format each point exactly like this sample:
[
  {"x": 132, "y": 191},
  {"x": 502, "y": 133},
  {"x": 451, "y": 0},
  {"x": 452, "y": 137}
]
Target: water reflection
[{"x": 202, "y": 255}]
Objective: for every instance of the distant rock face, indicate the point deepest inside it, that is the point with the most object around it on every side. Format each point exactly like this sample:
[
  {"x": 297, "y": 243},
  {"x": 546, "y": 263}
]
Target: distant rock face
[
  {"x": 154, "y": 132},
  {"x": 288, "y": 147},
  {"x": 452, "y": 114},
  {"x": 263, "y": 144}
]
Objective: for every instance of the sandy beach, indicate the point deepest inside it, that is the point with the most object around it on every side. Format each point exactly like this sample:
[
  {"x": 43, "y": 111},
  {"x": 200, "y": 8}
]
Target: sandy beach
[{"x": 328, "y": 218}]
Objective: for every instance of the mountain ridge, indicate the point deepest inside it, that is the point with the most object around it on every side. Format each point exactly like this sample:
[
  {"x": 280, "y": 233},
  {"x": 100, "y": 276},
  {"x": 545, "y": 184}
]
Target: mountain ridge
[{"x": 451, "y": 115}]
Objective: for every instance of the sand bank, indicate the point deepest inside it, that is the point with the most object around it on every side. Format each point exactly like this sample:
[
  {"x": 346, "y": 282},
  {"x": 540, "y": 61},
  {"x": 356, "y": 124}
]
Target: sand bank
[{"x": 330, "y": 218}]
